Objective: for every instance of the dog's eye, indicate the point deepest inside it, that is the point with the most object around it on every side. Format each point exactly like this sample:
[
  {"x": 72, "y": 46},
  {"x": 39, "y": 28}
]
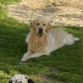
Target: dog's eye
[
  {"x": 37, "y": 24},
  {"x": 44, "y": 24}
]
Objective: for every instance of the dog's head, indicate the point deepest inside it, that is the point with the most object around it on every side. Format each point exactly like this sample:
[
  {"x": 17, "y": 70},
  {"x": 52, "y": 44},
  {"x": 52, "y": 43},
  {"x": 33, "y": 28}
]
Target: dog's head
[
  {"x": 20, "y": 79},
  {"x": 41, "y": 25}
]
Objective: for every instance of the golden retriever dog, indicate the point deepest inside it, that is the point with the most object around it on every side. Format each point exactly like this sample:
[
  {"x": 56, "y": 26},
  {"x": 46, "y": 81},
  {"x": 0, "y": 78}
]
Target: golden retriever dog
[{"x": 42, "y": 39}]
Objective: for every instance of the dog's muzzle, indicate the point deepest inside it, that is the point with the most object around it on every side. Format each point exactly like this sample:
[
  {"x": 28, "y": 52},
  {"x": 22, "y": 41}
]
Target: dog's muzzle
[{"x": 40, "y": 31}]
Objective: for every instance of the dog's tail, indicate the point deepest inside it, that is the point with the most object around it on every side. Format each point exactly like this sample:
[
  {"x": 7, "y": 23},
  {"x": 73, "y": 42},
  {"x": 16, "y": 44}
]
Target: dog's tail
[{"x": 76, "y": 39}]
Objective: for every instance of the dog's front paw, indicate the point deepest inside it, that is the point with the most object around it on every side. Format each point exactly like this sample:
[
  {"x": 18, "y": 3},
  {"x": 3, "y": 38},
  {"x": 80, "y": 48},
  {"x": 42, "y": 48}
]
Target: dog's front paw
[
  {"x": 24, "y": 58},
  {"x": 23, "y": 61}
]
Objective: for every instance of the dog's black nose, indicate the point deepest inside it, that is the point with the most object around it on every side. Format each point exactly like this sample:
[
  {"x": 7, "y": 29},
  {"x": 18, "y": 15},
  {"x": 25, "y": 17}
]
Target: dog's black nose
[{"x": 40, "y": 30}]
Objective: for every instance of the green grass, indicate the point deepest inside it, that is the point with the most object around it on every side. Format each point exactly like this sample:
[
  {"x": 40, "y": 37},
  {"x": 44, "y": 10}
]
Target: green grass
[
  {"x": 64, "y": 65},
  {"x": 8, "y": 1},
  {"x": 3, "y": 13}
]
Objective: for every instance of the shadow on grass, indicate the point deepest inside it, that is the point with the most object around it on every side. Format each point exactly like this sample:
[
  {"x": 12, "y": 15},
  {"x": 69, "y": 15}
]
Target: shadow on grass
[
  {"x": 12, "y": 37},
  {"x": 12, "y": 46}
]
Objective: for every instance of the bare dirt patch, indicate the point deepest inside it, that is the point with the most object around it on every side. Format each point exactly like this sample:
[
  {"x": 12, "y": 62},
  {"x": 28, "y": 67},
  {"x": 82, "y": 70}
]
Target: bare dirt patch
[
  {"x": 64, "y": 14},
  {"x": 44, "y": 79}
]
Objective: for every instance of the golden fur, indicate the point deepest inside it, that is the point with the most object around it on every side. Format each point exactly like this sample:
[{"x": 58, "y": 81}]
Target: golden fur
[
  {"x": 37, "y": 43},
  {"x": 42, "y": 39}
]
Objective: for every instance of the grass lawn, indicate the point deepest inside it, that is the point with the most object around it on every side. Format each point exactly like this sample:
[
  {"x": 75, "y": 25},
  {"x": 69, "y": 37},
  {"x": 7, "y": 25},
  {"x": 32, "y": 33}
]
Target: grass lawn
[
  {"x": 8, "y": 1},
  {"x": 64, "y": 65}
]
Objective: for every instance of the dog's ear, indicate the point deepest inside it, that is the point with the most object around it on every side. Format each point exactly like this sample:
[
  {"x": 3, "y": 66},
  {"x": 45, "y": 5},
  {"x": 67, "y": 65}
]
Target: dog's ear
[
  {"x": 10, "y": 81},
  {"x": 30, "y": 81},
  {"x": 48, "y": 27},
  {"x": 32, "y": 24}
]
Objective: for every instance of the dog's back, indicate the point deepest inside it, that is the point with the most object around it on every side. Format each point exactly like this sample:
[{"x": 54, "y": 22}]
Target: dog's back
[{"x": 61, "y": 37}]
